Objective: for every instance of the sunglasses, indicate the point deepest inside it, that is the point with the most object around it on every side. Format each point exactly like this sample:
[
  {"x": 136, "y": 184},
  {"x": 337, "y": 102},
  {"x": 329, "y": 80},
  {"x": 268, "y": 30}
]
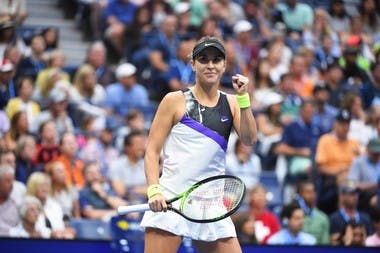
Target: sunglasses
[{"x": 205, "y": 60}]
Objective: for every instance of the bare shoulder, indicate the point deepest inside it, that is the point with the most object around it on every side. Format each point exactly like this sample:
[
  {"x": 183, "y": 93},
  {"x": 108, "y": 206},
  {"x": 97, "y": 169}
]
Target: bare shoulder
[
  {"x": 231, "y": 98},
  {"x": 173, "y": 104}
]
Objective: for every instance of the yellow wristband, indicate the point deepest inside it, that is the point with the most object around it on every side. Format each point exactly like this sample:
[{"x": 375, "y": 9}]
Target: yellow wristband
[
  {"x": 153, "y": 190},
  {"x": 243, "y": 100}
]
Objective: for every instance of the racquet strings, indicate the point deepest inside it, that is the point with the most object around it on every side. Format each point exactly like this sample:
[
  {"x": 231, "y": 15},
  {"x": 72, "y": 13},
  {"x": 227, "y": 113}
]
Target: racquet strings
[{"x": 213, "y": 199}]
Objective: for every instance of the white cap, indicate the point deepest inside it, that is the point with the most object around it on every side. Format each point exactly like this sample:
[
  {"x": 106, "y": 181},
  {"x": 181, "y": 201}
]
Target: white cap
[
  {"x": 58, "y": 95},
  {"x": 125, "y": 70},
  {"x": 272, "y": 98},
  {"x": 242, "y": 26},
  {"x": 182, "y": 7}
]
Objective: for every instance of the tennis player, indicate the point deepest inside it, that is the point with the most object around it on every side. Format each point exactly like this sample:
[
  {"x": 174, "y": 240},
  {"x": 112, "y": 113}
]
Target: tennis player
[{"x": 192, "y": 128}]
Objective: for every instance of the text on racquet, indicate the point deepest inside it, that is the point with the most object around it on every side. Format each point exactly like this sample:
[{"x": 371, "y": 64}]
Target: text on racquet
[{"x": 209, "y": 200}]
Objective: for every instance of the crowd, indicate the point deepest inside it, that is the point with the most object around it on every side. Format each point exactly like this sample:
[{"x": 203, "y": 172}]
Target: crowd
[{"x": 72, "y": 138}]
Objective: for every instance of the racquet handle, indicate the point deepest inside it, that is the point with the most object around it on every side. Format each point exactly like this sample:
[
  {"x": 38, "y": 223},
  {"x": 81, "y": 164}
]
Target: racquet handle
[{"x": 132, "y": 209}]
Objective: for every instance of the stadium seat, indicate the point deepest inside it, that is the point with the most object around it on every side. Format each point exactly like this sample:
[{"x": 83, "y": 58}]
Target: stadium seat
[
  {"x": 274, "y": 189},
  {"x": 91, "y": 229}
]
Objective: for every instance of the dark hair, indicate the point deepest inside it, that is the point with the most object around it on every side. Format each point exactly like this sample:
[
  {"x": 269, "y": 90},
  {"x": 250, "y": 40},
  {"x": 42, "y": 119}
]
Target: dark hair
[
  {"x": 128, "y": 138},
  {"x": 288, "y": 210},
  {"x": 302, "y": 183}
]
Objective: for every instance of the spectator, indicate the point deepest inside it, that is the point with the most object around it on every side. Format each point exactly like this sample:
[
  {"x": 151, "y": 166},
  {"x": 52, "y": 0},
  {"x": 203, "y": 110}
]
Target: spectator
[
  {"x": 326, "y": 53},
  {"x": 365, "y": 170},
  {"x": 7, "y": 89},
  {"x": 347, "y": 213},
  {"x": 124, "y": 95},
  {"x": 39, "y": 186},
  {"x": 339, "y": 19},
  {"x": 333, "y": 158},
  {"x": 68, "y": 157},
  {"x": 19, "y": 127},
  {"x": 7, "y": 157},
  {"x": 304, "y": 83},
  {"x": 244, "y": 164},
  {"x": 185, "y": 29},
  {"x": 47, "y": 148},
  {"x": 245, "y": 228},
  {"x": 198, "y": 10},
  {"x": 23, "y": 101},
  {"x": 180, "y": 74},
  {"x": 255, "y": 13},
  {"x": 14, "y": 11},
  {"x": 97, "y": 200},
  {"x": 266, "y": 223},
  {"x": 127, "y": 173},
  {"x": 324, "y": 112},
  {"x": 87, "y": 96},
  {"x": 96, "y": 56},
  {"x": 117, "y": 16},
  {"x": 263, "y": 84},
  {"x": 298, "y": 144},
  {"x": 26, "y": 150},
  {"x": 316, "y": 222},
  {"x": 9, "y": 216},
  {"x": 30, "y": 210},
  {"x": 57, "y": 111},
  {"x": 373, "y": 240},
  {"x": 270, "y": 129},
  {"x": 55, "y": 59},
  {"x": 4, "y": 124},
  {"x": 31, "y": 65},
  {"x": 51, "y": 37},
  {"x": 292, "y": 217},
  {"x": 354, "y": 235},
  {"x": 67, "y": 196}
]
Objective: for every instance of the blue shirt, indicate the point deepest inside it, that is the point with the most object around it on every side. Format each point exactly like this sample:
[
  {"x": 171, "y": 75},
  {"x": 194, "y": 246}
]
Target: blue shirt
[
  {"x": 120, "y": 100},
  {"x": 285, "y": 237},
  {"x": 124, "y": 12},
  {"x": 325, "y": 120},
  {"x": 181, "y": 71}
]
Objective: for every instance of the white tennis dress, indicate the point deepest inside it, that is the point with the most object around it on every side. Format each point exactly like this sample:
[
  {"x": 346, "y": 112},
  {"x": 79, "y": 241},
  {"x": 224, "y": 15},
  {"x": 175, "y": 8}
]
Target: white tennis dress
[{"x": 195, "y": 149}]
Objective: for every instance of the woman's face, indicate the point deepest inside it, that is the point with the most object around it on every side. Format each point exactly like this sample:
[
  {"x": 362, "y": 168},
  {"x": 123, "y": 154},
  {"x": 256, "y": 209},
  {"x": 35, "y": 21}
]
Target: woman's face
[
  {"x": 32, "y": 213},
  {"x": 43, "y": 190},
  {"x": 58, "y": 173},
  {"x": 22, "y": 123}
]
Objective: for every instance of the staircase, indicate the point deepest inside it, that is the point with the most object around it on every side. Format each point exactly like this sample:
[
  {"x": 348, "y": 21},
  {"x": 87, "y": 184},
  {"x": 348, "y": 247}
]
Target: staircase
[{"x": 44, "y": 13}]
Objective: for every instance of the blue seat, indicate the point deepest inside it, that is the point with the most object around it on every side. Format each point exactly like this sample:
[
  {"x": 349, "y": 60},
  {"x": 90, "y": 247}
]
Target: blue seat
[
  {"x": 273, "y": 187},
  {"x": 91, "y": 229}
]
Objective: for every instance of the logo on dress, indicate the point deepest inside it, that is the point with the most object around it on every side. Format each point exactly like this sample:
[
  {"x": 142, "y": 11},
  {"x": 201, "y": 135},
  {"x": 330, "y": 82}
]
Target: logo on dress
[{"x": 224, "y": 119}]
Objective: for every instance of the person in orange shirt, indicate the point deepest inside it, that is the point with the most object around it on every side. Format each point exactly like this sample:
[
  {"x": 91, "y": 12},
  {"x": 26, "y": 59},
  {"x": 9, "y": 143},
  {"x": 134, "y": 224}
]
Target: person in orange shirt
[
  {"x": 73, "y": 165},
  {"x": 334, "y": 155},
  {"x": 304, "y": 83}
]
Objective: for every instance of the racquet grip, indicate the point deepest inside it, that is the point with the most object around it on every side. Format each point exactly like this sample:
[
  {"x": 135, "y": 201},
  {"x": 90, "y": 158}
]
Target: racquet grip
[{"x": 132, "y": 209}]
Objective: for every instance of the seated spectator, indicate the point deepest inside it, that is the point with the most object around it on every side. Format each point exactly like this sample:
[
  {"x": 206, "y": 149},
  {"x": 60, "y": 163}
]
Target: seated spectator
[
  {"x": 365, "y": 171},
  {"x": 266, "y": 223},
  {"x": 67, "y": 196},
  {"x": 333, "y": 158},
  {"x": 316, "y": 222},
  {"x": 4, "y": 124},
  {"x": 68, "y": 157},
  {"x": 30, "y": 210},
  {"x": 31, "y": 65},
  {"x": 291, "y": 100},
  {"x": 97, "y": 200},
  {"x": 55, "y": 59},
  {"x": 96, "y": 56},
  {"x": 23, "y": 101},
  {"x": 51, "y": 37},
  {"x": 244, "y": 164},
  {"x": 19, "y": 127},
  {"x": 8, "y": 157},
  {"x": 26, "y": 150},
  {"x": 348, "y": 213},
  {"x": 292, "y": 217},
  {"x": 57, "y": 111},
  {"x": 7, "y": 89},
  {"x": 127, "y": 173},
  {"x": 52, "y": 217},
  {"x": 15, "y": 11},
  {"x": 8, "y": 208},
  {"x": 298, "y": 144},
  {"x": 373, "y": 240},
  {"x": 124, "y": 95},
  {"x": 245, "y": 227},
  {"x": 47, "y": 148},
  {"x": 324, "y": 112},
  {"x": 354, "y": 235}
]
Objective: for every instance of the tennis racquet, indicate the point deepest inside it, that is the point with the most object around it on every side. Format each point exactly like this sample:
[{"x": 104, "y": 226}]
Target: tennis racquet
[{"x": 209, "y": 200}]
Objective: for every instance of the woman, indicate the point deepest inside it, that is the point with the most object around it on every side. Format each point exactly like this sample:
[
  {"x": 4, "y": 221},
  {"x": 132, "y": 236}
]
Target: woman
[
  {"x": 184, "y": 122},
  {"x": 19, "y": 127},
  {"x": 30, "y": 210},
  {"x": 39, "y": 186},
  {"x": 67, "y": 196}
]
